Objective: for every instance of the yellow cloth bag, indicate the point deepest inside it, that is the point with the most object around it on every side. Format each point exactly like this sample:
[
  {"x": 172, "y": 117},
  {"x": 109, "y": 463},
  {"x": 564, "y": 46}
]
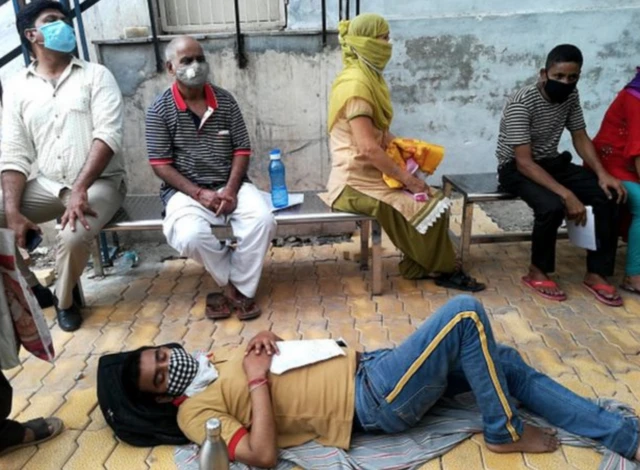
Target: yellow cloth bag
[{"x": 427, "y": 156}]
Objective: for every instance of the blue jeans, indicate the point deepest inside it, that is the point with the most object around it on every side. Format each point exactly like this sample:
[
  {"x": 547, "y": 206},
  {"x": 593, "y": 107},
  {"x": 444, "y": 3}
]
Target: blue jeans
[{"x": 454, "y": 351}]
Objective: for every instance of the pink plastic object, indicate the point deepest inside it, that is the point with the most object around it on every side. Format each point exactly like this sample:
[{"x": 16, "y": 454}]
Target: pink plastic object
[
  {"x": 411, "y": 165},
  {"x": 419, "y": 197}
]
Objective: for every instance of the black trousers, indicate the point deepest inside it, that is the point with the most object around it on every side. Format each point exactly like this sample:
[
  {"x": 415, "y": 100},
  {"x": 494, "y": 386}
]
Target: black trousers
[
  {"x": 11, "y": 432},
  {"x": 549, "y": 211}
]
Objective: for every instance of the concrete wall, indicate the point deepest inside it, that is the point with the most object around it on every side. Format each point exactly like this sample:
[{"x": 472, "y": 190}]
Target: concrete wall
[{"x": 454, "y": 65}]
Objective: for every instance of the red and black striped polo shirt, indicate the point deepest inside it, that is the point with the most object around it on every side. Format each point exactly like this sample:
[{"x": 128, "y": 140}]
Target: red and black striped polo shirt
[{"x": 202, "y": 150}]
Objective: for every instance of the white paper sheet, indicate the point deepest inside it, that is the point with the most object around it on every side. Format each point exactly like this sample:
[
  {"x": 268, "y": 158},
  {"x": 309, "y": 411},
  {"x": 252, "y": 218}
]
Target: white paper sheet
[
  {"x": 294, "y": 200},
  {"x": 294, "y": 354},
  {"x": 583, "y": 236}
]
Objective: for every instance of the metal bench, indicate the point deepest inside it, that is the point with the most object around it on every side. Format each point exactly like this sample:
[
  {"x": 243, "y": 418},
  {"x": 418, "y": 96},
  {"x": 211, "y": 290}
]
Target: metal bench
[
  {"x": 144, "y": 212},
  {"x": 479, "y": 187}
]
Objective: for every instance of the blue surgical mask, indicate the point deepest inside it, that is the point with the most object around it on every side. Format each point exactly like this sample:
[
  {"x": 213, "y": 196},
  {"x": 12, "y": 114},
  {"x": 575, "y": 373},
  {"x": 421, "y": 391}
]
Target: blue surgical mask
[{"x": 59, "y": 36}]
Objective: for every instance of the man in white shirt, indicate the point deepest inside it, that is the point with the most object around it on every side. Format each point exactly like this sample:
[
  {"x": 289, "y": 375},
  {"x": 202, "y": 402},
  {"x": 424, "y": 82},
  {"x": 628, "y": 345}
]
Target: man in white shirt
[{"x": 65, "y": 115}]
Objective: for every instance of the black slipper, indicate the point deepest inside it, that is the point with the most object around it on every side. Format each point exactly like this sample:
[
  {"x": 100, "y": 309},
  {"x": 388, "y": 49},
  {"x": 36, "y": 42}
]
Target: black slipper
[
  {"x": 41, "y": 432},
  {"x": 460, "y": 281}
]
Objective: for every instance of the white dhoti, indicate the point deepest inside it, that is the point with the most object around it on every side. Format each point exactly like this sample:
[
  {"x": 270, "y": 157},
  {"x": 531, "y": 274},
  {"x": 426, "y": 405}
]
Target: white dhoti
[{"x": 187, "y": 226}]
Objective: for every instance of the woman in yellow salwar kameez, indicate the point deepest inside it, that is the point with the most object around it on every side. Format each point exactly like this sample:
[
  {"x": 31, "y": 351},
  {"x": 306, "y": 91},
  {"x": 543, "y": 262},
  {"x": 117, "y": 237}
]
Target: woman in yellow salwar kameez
[{"x": 360, "y": 113}]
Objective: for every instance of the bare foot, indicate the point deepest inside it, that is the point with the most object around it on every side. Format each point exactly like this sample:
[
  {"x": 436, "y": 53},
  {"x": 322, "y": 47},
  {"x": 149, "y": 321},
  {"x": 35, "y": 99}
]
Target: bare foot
[
  {"x": 533, "y": 440},
  {"x": 592, "y": 279},
  {"x": 551, "y": 289},
  {"x": 632, "y": 283}
]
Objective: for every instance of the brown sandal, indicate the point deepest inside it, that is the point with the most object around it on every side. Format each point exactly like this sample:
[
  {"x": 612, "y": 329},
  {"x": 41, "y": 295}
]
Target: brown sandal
[
  {"x": 218, "y": 307},
  {"x": 246, "y": 309}
]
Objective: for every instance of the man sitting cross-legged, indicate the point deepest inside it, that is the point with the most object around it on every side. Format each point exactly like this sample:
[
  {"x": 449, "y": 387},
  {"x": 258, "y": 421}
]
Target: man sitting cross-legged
[
  {"x": 530, "y": 167},
  {"x": 383, "y": 391}
]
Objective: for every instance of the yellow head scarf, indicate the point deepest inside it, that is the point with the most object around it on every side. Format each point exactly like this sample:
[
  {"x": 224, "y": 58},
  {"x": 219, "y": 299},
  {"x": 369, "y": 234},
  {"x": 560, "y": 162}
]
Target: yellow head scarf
[{"x": 364, "y": 58}]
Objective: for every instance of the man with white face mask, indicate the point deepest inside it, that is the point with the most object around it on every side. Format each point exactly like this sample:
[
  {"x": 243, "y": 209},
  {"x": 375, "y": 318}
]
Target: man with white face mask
[
  {"x": 198, "y": 145},
  {"x": 65, "y": 115}
]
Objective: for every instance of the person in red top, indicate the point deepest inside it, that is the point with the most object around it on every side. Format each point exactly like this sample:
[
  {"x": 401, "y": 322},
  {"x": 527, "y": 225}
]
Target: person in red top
[{"x": 618, "y": 145}]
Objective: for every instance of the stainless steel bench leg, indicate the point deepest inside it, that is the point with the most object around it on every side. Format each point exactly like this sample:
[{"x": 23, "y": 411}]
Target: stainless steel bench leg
[
  {"x": 365, "y": 229},
  {"x": 376, "y": 259},
  {"x": 98, "y": 270},
  {"x": 465, "y": 230}
]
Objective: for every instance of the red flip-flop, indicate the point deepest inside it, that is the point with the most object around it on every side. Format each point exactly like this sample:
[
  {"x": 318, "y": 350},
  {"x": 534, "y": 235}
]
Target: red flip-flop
[
  {"x": 609, "y": 289},
  {"x": 547, "y": 283}
]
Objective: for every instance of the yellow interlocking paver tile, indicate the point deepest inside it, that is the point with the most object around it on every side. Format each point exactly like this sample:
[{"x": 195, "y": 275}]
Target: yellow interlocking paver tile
[
  {"x": 327, "y": 269},
  {"x": 200, "y": 335},
  {"x": 398, "y": 332},
  {"x": 555, "y": 460},
  {"x": 42, "y": 404},
  {"x": 11, "y": 373},
  {"x": 79, "y": 403},
  {"x": 309, "y": 309},
  {"x": 330, "y": 286},
  {"x": 19, "y": 402},
  {"x": 187, "y": 285},
  {"x": 54, "y": 453},
  {"x": 161, "y": 287},
  {"x": 544, "y": 359},
  {"x": 433, "y": 464},
  {"x": 374, "y": 336},
  {"x": 62, "y": 376},
  {"x": 94, "y": 447},
  {"x": 466, "y": 456},
  {"x": 282, "y": 291},
  {"x": 364, "y": 310},
  {"x": 560, "y": 340},
  {"x": 517, "y": 327},
  {"x": 306, "y": 288},
  {"x": 29, "y": 379},
  {"x": 97, "y": 421},
  {"x": 619, "y": 336},
  {"x": 314, "y": 333},
  {"x": 127, "y": 457},
  {"x": 82, "y": 342},
  {"x": 142, "y": 334},
  {"x": 388, "y": 305},
  {"x": 582, "y": 459},
  {"x": 170, "y": 332},
  {"x": 96, "y": 316},
  {"x": 125, "y": 311},
  {"x": 355, "y": 286},
  {"x": 16, "y": 460},
  {"x": 161, "y": 458},
  {"x": 152, "y": 309},
  {"x": 112, "y": 339}
]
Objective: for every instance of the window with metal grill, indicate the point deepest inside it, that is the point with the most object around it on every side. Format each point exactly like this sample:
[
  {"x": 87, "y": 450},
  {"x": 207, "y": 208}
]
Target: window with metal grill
[{"x": 212, "y": 16}]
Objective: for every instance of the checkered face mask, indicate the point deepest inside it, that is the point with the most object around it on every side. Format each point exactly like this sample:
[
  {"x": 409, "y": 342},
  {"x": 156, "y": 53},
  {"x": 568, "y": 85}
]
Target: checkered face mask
[{"x": 182, "y": 370}]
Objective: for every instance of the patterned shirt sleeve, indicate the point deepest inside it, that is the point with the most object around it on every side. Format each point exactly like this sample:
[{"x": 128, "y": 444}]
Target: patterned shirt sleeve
[
  {"x": 159, "y": 145},
  {"x": 18, "y": 152},
  {"x": 517, "y": 124},
  {"x": 239, "y": 134},
  {"x": 575, "y": 119},
  {"x": 107, "y": 110}
]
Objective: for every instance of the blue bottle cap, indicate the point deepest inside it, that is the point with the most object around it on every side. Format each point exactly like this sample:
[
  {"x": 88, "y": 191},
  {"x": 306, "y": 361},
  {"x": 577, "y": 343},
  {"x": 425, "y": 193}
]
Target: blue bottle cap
[{"x": 275, "y": 154}]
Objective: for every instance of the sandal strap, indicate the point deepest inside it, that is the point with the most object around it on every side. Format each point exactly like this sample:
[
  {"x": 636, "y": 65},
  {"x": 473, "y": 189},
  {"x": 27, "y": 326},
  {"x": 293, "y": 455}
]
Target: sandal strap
[{"x": 40, "y": 428}]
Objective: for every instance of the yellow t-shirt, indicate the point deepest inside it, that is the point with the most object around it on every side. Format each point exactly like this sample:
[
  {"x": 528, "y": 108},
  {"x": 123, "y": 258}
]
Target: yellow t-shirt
[{"x": 315, "y": 402}]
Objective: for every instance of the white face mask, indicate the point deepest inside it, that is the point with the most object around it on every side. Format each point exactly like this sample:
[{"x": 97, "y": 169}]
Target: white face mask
[
  {"x": 207, "y": 373},
  {"x": 194, "y": 74}
]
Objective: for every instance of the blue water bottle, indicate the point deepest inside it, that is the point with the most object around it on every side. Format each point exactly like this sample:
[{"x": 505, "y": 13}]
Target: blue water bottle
[{"x": 279, "y": 194}]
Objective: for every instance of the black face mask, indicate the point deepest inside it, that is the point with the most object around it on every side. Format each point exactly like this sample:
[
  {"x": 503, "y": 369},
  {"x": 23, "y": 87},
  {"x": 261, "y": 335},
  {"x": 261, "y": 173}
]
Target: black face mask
[{"x": 558, "y": 92}]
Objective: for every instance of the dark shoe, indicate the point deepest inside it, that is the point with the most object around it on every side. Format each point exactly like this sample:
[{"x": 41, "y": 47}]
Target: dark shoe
[
  {"x": 70, "y": 318},
  {"x": 44, "y": 295},
  {"x": 460, "y": 281}
]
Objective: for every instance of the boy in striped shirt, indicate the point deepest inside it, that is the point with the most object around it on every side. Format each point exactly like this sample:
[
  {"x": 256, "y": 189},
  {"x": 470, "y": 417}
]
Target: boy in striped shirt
[{"x": 530, "y": 167}]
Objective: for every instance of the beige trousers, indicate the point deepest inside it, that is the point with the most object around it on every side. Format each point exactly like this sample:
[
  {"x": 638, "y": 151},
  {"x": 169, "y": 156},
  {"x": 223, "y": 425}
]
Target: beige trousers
[{"x": 73, "y": 248}]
